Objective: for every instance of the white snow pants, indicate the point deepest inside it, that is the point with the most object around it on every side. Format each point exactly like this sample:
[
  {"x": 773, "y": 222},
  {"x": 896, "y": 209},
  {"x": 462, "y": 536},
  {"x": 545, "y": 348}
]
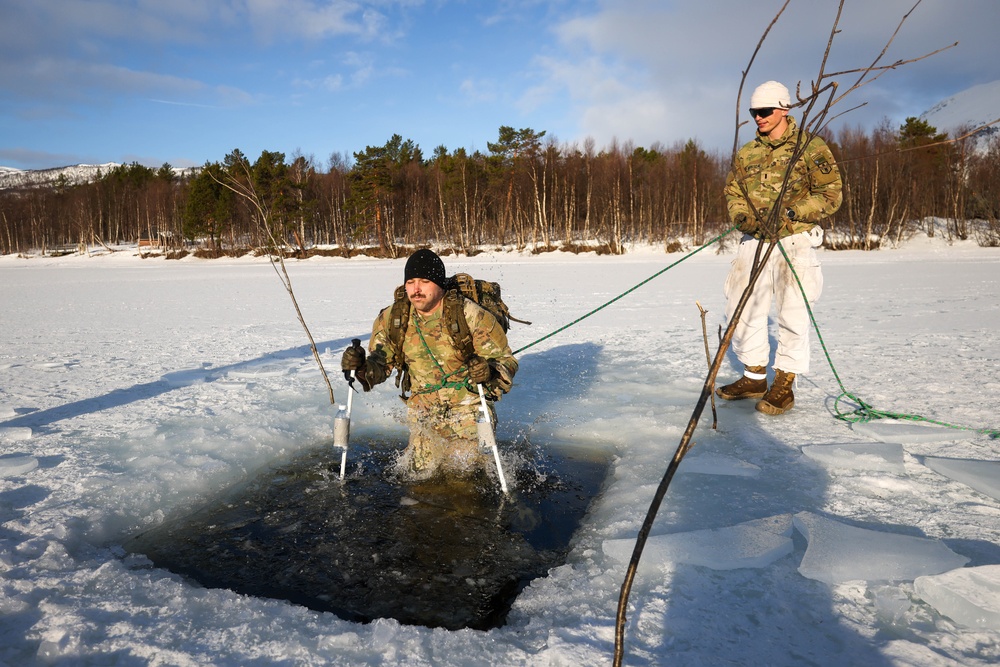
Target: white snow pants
[{"x": 750, "y": 340}]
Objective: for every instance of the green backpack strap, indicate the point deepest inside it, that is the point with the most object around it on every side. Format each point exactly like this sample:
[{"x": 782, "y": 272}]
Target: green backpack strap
[
  {"x": 399, "y": 318},
  {"x": 457, "y": 325}
]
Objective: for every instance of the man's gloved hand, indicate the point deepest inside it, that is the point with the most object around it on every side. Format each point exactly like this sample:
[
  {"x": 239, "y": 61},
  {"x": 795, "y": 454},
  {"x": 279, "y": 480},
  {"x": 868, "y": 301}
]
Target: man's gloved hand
[
  {"x": 746, "y": 224},
  {"x": 479, "y": 370},
  {"x": 353, "y": 360},
  {"x": 375, "y": 369}
]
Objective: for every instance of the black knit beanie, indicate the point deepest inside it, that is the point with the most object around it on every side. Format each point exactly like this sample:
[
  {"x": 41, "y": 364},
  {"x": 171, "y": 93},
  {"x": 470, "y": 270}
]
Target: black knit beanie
[{"x": 427, "y": 265}]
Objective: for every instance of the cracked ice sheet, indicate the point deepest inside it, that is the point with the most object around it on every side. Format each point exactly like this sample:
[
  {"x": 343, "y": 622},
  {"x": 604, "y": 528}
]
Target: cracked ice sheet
[
  {"x": 838, "y": 552},
  {"x": 877, "y": 457},
  {"x": 752, "y": 544},
  {"x": 908, "y": 433},
  {"x": 15, "y": 433},
  {"x": 12, "y": 465},
  {"x": 970, "y": 596},
  {"x": 983, "y": 476},
  {"x": 718, "y": 464}
]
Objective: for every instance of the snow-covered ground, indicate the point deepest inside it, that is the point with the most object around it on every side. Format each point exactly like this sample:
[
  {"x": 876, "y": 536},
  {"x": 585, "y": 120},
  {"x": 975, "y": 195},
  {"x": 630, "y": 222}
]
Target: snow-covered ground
[{"x": 131, "y": 389}]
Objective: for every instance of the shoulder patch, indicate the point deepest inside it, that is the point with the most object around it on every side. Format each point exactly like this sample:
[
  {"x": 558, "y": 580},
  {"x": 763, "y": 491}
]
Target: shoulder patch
[{"x": 823, "y": 164}]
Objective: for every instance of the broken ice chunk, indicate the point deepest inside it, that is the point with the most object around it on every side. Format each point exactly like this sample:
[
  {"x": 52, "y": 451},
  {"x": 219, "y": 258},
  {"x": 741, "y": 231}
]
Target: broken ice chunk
[
  {"x": 11, "y": 466},
  {"x": 970, "y": 596},
  {"x": 871, "y": 457},
  {"x": 908, "y": 433},
  {"x": 15, "y": 432},
  {"x": 753, "y": 544},
  {"x": 838, "y": 552},
  {"x": 983, "y": 476},
  {"x": 718, "y": 464}
]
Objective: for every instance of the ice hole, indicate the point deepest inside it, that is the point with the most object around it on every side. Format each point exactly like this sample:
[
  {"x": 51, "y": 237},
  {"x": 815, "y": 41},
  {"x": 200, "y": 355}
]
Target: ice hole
[{"x": 441, "y": 553}]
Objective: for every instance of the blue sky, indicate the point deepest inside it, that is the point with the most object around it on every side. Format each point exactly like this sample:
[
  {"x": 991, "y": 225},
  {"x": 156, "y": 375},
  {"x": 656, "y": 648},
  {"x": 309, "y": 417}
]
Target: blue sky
[{"x": 187, "y": 81}]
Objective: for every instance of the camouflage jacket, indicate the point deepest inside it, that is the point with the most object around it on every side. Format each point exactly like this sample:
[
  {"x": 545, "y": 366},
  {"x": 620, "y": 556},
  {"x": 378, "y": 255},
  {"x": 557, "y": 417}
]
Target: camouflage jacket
[
  {"x": 437, "y": 371},
  {"x": 814, "y": 186}
]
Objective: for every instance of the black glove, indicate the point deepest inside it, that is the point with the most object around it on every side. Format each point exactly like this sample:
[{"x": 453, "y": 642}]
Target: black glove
[
  {"x": 375, "y": 369},
  {"x": 371, "y": 371},
  {"x": 353, "y": 359},
  {"x": 479, "y": 370}
]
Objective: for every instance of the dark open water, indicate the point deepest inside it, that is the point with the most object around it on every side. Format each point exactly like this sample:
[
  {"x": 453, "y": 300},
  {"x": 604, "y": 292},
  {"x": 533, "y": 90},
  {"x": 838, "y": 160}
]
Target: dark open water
[{"x": 441, "y": 553}]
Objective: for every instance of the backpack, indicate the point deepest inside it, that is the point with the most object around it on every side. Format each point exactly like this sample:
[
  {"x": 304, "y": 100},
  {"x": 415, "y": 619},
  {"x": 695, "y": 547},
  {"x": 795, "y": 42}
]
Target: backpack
[{"x": 458, "y": 288}]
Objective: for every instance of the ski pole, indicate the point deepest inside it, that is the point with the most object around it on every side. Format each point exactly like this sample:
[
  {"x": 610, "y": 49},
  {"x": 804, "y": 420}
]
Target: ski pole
[
  {"x": 342, "y": 422},
  {"x": 487, "y": 438},
  {"x": 341, "y": 432}
]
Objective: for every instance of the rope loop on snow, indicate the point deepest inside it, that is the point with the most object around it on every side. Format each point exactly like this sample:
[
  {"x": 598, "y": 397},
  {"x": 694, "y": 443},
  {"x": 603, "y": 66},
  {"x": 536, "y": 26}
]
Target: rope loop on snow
[{"x": 864, "y": 412}]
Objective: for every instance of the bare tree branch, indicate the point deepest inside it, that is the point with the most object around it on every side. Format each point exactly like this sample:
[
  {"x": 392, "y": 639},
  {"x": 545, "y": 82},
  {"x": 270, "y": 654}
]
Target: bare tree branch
[
  {"x": 822, "y": 96},
  {"x": 246, "y": 190}
]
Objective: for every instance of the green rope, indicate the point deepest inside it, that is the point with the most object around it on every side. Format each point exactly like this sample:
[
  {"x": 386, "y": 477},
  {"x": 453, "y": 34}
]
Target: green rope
[
  {"x": 626, "y": 292},
  {"x": 445, "y": 383},
  {"x": 864, "y": 412}
]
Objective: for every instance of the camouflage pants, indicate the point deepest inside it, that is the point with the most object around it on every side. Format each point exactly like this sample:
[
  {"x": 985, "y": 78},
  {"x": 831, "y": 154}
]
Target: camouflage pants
[{"x": 444, "y": 438}]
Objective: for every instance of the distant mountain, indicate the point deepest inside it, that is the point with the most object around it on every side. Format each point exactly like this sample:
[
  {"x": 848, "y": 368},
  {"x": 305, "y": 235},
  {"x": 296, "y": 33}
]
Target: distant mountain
[
  {"x": 80, "y": 173},
  {"x": 72, "y": 175},
  {"x": 969, "y": 109}
]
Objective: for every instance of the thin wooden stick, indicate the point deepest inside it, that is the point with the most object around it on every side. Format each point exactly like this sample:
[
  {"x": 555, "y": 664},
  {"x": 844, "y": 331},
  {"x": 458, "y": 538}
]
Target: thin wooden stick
[
  {"x": 708, "y": 358},
  {"x": 682, "y": 449},
  {"x": 249, "y": 193},
  {"x": 823, "y": 86}
]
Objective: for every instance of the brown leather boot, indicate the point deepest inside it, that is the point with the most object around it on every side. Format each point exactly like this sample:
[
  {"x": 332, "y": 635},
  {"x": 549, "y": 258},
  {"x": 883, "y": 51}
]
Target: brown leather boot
[
  {"x": 753, "y": 384},
  {"x": 779, "y": 398}
]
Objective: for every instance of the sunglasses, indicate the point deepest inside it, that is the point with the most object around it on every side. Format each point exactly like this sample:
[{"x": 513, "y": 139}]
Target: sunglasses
[{"x": 761, "y": 113}]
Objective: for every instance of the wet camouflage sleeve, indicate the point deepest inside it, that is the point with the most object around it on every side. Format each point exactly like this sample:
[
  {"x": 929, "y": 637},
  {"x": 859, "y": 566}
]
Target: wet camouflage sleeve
[
  {"x": 380, "y": 336},
  {"x": 490, "y": 343},
  {"x": 814, "y": 185}
]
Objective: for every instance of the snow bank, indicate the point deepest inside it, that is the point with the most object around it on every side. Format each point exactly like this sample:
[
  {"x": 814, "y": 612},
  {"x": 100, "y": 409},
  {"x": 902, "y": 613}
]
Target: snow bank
[{"x": 143, "y": 387}]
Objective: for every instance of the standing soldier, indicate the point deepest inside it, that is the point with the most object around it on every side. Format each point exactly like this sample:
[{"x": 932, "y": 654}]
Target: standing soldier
[
  {"x": 812, "y": 192},
  {"x": 443, "y": 345}
]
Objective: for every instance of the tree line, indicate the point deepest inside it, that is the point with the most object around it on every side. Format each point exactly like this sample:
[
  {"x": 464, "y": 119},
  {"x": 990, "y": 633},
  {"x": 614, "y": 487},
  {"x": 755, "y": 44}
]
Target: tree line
[{"x": 525, "y": 191}]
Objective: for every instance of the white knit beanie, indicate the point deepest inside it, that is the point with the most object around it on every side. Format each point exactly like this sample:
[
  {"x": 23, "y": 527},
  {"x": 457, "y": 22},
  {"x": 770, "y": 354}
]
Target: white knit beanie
[{"x": 770, "y": 95}]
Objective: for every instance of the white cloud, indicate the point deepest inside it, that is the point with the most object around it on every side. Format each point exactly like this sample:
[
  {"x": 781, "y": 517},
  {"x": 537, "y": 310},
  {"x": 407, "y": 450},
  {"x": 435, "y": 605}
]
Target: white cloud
[
  {"x": 333, "y": 83},
  {"x": 646, "y": 70},
  {"x": 362, "y": 66},
  {"x": 478, "y": 91},
  {"x": 306, "y": 19}
]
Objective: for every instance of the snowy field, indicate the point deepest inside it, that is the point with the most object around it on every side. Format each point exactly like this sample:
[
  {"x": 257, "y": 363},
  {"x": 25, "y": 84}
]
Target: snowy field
[{"x": 132, "y": 389}]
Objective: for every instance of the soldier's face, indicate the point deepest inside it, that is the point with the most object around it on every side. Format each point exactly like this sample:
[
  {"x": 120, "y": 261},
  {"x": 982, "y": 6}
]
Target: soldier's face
[
  {"x": 767, "y": 122},
  {"x": 425, "y": 295}
]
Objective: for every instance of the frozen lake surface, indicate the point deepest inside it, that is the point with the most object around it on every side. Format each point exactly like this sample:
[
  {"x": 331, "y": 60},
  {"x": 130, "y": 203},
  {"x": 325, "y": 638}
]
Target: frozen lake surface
[{"x": 134, "y": 391}]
